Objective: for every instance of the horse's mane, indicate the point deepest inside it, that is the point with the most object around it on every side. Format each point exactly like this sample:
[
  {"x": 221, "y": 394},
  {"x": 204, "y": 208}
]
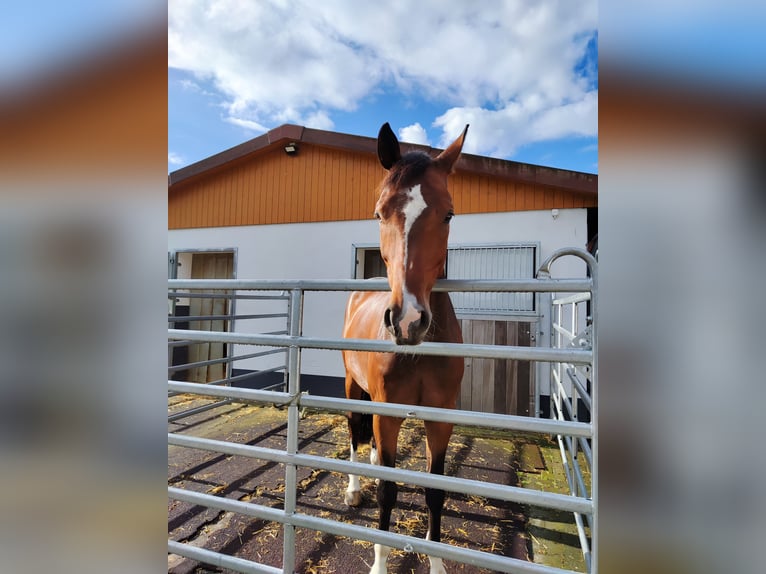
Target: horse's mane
[{"x": 409, "y": 168}]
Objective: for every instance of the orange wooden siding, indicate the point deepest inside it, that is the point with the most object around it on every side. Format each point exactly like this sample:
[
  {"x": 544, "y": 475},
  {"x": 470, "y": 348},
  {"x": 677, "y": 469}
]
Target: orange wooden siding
[{"x": 326, "y": 184}]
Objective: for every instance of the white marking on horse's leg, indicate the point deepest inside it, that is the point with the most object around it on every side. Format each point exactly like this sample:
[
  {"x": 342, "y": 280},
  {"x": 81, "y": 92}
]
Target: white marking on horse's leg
[
  {"x": 374, "y": 456},
  {"x": 437, "y": 565},
  {"x": 374, "y": 459},
  {"x": 381, "y": 556},
  {"x": 353, "y": 494}
]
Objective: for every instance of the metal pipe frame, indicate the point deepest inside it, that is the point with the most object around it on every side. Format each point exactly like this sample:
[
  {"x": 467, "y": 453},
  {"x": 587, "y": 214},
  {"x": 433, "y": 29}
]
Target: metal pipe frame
[
  {"x": 453, "y": 484},
  {"x": 197, "y": 295},
  {"x": 575, "y": 356},
  {"x": 401, "y": 541},
  {"x": 218, "y": 559},
  {"x": 182, "y": 319},
  {"x": 564, "y": 407},
  {"x": 197, "y": 410},
  {"x": 462, "y": 285},
  {"x": 187, "y": 366},
  {"x": 460, "y": 417},
  {"x": 570, "y": 432}
]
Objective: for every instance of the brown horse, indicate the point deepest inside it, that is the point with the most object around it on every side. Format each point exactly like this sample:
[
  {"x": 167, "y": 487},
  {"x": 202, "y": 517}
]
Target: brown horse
[{"x": 414, "y": 211}]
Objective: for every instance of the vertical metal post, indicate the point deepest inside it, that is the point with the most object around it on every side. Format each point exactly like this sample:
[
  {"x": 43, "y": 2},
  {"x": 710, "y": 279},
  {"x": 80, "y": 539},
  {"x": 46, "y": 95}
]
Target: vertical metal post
[
  {"x": 293, "y": 419},
  {"x": 287, "y": 327},
  {"x": 594, "y": 420},
  {"x": 231, "y": 310},
  {"x": 172, "y": 274},
  {"x": 544, "y": 328}
]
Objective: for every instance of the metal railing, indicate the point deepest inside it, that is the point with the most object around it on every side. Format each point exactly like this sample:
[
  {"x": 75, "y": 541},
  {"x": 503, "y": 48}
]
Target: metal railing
[
  {"x": 227, "y": 322},
  {"x": 582, "y": 500}
]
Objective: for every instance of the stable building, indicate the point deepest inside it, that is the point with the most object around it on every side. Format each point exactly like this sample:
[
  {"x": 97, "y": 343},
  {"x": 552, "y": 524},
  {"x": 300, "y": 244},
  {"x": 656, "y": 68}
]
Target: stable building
[{"x": 297, "y": 203}]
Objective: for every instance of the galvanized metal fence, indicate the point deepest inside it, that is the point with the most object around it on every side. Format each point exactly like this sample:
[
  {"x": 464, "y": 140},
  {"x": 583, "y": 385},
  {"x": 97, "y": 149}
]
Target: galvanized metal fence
[
  {"x": 572, "y": 355},
  {"x": 227, "y": 322}
]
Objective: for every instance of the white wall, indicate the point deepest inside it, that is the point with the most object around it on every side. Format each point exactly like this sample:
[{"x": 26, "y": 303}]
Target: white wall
[{"x": 324, "y": 251}]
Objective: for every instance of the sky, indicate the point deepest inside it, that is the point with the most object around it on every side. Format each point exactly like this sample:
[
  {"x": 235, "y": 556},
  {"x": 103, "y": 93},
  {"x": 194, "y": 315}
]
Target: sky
[{"x": 522, "y": 73}]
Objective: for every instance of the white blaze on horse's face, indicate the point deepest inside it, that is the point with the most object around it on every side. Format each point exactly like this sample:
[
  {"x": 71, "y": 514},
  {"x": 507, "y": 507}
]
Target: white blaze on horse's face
[
  {"x": 411, "y": 310},
  {"x": 414, "y": 228}
]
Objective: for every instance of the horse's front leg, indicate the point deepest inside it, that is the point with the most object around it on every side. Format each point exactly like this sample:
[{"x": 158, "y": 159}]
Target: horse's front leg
[
  {"x": 386, "y": 432},
  {"x": 437, "y": 441},
  {"x": 360, "y": 431}
]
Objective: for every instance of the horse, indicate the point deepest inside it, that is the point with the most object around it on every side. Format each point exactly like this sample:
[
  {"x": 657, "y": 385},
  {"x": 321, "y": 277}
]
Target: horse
[{"x": 414, "y": 212}]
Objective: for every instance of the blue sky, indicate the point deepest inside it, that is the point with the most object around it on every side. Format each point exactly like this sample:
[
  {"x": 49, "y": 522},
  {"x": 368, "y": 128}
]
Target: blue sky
[{"x": 523, "y": 73}]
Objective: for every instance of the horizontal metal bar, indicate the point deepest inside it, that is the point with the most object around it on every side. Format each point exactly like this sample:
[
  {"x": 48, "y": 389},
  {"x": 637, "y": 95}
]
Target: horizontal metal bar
[
  {"x": 246, "y": 376},
  {"x": 282, "y": 384},
  {"x": 579, "y": 356},
  {"x": 181, "y": 319},
  {"x": 260, "y": 372},
  {"x": 461, "y": 417},
  {"x": 221, "y": 560},
  {"x": 449, "y": 483},
  {"x": 197, "y": 410},
  {"x": 258, "y": 395},
  {"x": 470, "y": 556},
  {"x": 187, "y": 366},
  {"x": 457, "y": 285},
  {"x": 231, "y": 295},
  {"x": 576, "y": 298},
  {"x": 394, "y": 540}
]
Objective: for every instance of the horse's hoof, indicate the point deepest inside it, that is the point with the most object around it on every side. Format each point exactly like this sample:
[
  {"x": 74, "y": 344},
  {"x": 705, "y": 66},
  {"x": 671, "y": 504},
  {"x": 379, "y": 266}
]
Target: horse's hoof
[{"x": 354, "y": 498}]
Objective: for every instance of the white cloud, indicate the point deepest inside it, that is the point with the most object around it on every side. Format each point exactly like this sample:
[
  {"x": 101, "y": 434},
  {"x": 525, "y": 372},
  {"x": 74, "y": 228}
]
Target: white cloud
[
  {"x": 500, "y": 132},
  {"x": 175, "y": 159},
  {"x": 414, "y": 133},
  {"x": 247, "y": 124},
  {"x": 508, "y": 68}
]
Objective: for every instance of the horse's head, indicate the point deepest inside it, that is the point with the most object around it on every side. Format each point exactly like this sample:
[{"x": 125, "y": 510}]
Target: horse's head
[{"x": 414, "y": 211}]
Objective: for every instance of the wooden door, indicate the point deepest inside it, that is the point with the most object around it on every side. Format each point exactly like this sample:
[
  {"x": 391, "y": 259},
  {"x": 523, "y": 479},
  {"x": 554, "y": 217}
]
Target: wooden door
[
  {"x": 209, "y": 266},
  {"x": 493, "y": 385}
]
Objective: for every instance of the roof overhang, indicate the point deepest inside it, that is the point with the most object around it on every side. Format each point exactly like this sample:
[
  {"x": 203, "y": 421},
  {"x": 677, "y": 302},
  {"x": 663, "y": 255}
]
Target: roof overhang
[{"x": 573, "y": 181}]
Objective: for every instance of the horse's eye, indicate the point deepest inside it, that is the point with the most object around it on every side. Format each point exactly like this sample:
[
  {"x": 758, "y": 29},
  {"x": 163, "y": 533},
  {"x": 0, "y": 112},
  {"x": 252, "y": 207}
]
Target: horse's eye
[{"x": 449, "y": 217}]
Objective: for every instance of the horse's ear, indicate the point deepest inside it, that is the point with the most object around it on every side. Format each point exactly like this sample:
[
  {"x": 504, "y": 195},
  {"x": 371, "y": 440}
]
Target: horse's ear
[
  {"x": 388, "y": 146},
  {"x": 446, "y": 159}
]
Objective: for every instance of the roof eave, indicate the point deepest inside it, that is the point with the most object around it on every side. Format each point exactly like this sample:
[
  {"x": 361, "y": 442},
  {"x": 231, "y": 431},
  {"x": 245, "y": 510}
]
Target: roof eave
[{"x": 526, "y": 173}]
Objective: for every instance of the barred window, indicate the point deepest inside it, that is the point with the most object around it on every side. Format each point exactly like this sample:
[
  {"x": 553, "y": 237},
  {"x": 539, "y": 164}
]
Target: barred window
[{"x": 515, "y": 261}]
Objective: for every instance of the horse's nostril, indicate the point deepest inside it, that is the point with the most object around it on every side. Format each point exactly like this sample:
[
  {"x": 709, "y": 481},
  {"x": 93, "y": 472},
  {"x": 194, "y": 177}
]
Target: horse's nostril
[{"x": 387, "y": 318}]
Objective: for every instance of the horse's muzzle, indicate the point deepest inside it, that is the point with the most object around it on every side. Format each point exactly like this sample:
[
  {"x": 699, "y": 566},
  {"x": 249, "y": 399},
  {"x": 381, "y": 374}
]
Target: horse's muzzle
[{"x": 407, "y": 330}]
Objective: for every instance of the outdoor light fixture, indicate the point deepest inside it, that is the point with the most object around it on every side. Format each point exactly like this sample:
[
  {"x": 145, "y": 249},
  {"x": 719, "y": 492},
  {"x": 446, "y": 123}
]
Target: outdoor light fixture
[{"x": 291, "y": 148}]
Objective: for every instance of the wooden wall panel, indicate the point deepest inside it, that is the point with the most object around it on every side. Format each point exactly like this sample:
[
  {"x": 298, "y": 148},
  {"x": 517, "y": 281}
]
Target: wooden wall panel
[
  {"x": 325, "y": 184},
  {"x": 496, "y": 386}
]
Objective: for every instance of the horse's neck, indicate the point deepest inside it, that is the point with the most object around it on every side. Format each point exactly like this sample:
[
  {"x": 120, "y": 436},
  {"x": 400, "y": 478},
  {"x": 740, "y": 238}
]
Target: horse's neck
[{"x": 443, "y": 317}]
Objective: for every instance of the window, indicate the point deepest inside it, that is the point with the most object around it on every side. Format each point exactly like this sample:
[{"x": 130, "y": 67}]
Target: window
[
  {"x": 492, "y": 262},
  {"x": 369, "y": 263},
  {"x": 510, "y": 261}
]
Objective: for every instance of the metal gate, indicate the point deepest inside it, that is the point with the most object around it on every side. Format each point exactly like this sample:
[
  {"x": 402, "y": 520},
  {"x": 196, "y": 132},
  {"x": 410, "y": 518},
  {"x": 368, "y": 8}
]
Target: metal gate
[{"x": 572, "y": 356}]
